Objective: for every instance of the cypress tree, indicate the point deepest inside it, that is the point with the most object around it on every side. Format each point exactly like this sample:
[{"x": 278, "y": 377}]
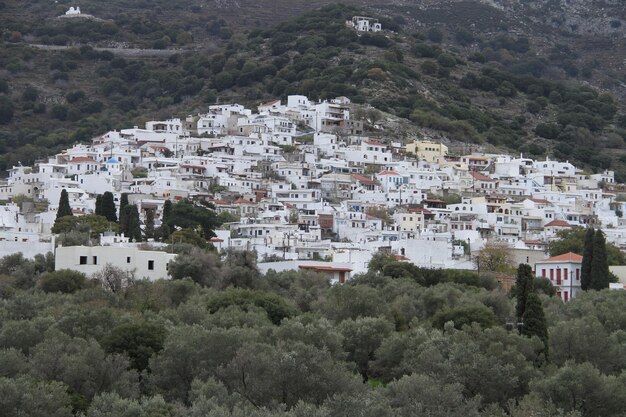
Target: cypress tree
[
  {"x": 123, "y": 205},
  {"x": 64, "y": 205},
  {"x": 523, "y": 287},
  {"x": 599, "y": 276},
  {"x": 134, "y": 225},
  {"x": 167, "y": 211},
  {"x": 585, "y": 269},
  {"x": 149, "y": 229},
  {"x": 535, "y": 320},
  {"x": 108, "y": 206},
  {"x": 98, "y": 211}
]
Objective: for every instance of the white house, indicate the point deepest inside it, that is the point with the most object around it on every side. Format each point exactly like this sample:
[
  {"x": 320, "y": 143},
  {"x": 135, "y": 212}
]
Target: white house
[
  {"x": 563, "y": 271},
  {"x": 90, "y": 259}
]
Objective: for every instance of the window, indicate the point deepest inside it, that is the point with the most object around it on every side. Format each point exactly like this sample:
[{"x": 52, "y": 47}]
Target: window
[
  {"x": 577, "y": 274},
  {"x": 551, "y": 274},
  {"x": 83, "y": 260},
  {"x": 128, "y": 259},
  {"x": 150, "y": 265},
  {"x": 543, "y": 273},
  {"x": 565, "y": 275},
  {"x": 95, "y": 260}
]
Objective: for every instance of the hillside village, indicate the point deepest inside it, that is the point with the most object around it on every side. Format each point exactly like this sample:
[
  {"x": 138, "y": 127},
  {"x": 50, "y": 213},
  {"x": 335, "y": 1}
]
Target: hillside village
[{"x": 307, "y": 189}]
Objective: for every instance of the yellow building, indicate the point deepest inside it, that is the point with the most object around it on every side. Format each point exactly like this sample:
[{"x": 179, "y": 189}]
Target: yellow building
[{"x": 425, "y": 150}]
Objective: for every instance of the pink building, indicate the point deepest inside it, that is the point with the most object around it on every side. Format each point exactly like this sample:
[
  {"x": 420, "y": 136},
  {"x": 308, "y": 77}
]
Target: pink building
[{"x": 563, "y": 271}]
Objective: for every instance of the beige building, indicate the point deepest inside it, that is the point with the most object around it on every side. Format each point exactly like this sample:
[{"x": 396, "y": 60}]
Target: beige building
[{"x": 425, "y": 150}]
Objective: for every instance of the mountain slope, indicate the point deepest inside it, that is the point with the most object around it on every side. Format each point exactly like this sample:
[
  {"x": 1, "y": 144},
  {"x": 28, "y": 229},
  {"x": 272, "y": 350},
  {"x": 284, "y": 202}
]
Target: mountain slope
[{"x": 463, "y": 71}]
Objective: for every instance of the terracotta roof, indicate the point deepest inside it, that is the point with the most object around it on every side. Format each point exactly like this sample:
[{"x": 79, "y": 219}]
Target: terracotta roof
[
  {"x": 386, "y": 172},
  {"x": 480, "y": 177},
  {"x": 365, "y": 180},
  {"x": 540, "y": 200},
  {"x": 374, "y": 143},
  {"x": 533, "y": 242},
  {"x": 419, "y": 210},
  {"x": 558, "y": 223},
  {"x": 242, "y": 200},
  {"x": 83, "y": 159},
  {"x": 566, "y": 257},
  {"x": 216, "y": 239},
  {"x": 270, "y": 103},
  {"x": 325, "y": 268}
]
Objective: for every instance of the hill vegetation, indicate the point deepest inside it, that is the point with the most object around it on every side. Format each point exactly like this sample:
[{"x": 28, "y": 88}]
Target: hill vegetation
[
  {"x": 229, "y": 341},
  {"x": 490, "y": 92}
]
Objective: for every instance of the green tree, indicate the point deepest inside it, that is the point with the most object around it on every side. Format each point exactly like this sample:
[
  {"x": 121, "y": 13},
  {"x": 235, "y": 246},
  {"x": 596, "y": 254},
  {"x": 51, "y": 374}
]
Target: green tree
[
  {"x": 585, "y": 269},
  {"x": 65, "y": 281},
  {"x": 572, "y": 240},
  {"x": 185, "y": 214},
  {"x": 123, "y": 204},
  {"x": 130, "y": 224},
  {"x": 523, "y": 287},
  {"x": 6, "y": 110},
  {"x": 140, "y": 340},
  {"x": 149, "y": 227},
  {"x": 167, "y": 211},
  {"x": 91, "y": 224},
  {"x": 599, "y": 277},
  {"x": 98, "y": 211},
  {"x": 64, "y": 205},
  {"x": 108, "y": 207},
  {"x": 200, "y": 266},
  {"x": 422, "y": 395},
  {"x": 534, "y": 320},
  {"x": 582, "y": 388},
  {"x": 361, "y": 338},
  {"x": 31, "y": 398}
]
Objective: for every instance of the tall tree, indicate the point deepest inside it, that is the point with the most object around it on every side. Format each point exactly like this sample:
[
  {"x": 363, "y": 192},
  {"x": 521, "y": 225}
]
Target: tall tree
[
  {"x": 123, "y": 204},
  {"x": 167, "y": 211},
  {"x": 98, "y": 211},
  {"x": 130, "y": 224},
  {"x": 149, "y": 229},
  {"x": 599, "y": 276},
  {"x": 585, "y": 269},
  {"x": 534, "y": 320},
  {"x": 523, "y": 287},
  {"x": 108, "y": 207},
  {"x": 64, "y": 205}
]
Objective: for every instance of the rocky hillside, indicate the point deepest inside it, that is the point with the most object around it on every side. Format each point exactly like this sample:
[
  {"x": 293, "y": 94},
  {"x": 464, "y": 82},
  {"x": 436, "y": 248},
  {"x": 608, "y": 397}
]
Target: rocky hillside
[{"x": 479, "y": 74}]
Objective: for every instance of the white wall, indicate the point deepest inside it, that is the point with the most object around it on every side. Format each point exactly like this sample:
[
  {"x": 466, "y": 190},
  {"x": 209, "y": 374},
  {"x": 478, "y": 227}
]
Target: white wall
[{"x": 125, "y": 258}]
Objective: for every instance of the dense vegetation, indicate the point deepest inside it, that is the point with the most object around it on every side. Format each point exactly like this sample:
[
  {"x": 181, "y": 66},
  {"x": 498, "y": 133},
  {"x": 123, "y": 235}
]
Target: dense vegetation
[
  {"x": 399, "y": 341},
  {"x": 494, "y": 91}
]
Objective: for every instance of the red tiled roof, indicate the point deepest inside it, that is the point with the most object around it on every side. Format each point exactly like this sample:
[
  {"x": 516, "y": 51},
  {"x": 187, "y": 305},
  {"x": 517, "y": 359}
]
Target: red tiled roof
[
  {"x": 533, "y": 242},
  {"x": 365, "y": 180},
  {"x": 540, "y": 200},
  {"x": 566, "y": 257},
  {"x": 325, "y": 268},
  {"x": 82, "y": 159},
  {"x": 270, "y": 103},
  {"x": 374, "y": 143},
  {"x": 242, "y": 200},
  {"x": 480, "y": 177},
  {"x": 419, "y": 210},
  {"x": 558, "y": 223},
  {"x": 386, "y": 172}
]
